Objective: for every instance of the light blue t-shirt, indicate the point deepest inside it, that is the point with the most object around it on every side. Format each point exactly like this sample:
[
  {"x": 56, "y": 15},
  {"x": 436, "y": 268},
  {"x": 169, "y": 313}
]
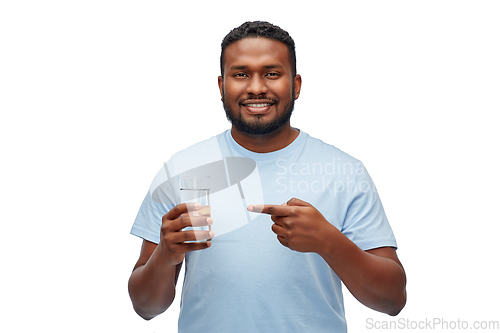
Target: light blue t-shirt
[{"x": 247, "y": 281}]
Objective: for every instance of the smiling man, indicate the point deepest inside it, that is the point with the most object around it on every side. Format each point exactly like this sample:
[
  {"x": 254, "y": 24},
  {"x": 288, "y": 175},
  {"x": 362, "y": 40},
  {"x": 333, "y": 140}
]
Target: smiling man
[
  {"x": 259, "y": 87},
  {"x": 279, "y": 263}
]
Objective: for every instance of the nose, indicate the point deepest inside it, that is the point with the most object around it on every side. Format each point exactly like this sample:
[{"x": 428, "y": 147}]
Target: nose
[{"x": 256, "y": 85}]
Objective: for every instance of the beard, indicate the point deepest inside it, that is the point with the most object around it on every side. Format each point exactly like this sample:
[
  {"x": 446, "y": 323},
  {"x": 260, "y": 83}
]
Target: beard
[{"x": 258, "y": 127}]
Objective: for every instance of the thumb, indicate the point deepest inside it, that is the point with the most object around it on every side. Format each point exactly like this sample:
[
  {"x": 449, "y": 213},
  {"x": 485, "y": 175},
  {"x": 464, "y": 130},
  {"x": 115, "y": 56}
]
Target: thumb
[{"x": 297, "y": 202}]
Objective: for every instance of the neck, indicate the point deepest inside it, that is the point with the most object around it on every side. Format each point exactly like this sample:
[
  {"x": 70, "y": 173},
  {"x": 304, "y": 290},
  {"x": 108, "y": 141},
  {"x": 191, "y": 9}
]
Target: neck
[{"x": 266, "y": 143}]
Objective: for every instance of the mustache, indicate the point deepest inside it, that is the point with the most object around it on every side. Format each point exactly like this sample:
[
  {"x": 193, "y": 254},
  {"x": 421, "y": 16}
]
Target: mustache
[{"x": 272, "y": 99}]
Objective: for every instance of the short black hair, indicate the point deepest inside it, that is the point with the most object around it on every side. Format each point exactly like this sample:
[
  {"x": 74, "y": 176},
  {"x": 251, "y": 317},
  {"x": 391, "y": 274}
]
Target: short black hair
[{"x": 259, "y": 29}]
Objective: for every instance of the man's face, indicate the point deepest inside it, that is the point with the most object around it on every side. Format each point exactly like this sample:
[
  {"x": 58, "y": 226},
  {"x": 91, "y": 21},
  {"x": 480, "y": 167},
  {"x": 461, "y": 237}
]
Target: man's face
[{"x": 258, "y": 90}]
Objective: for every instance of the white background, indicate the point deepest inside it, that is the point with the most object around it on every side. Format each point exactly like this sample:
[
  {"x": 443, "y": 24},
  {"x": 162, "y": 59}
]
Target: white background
[{"x": 95, "y": 95}]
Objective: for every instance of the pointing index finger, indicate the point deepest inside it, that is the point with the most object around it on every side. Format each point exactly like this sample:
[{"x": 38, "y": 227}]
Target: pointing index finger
[{"x": 278, "y": 210}]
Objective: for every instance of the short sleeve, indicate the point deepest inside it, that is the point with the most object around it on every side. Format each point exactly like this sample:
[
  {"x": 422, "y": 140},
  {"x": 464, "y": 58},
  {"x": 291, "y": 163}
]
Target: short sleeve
[
  {"x": 158, "y": 201},
  {"x": 365, "y": 222}
]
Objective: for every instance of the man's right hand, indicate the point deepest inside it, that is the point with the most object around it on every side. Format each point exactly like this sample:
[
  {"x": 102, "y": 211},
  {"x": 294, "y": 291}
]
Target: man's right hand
[
  {"x": 173, "y": 238},
  {"x": 153, "y": 280}
]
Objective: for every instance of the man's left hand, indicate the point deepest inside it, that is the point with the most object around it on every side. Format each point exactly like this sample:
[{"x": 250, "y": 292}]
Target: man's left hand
[{"x": 298, "y": 225}]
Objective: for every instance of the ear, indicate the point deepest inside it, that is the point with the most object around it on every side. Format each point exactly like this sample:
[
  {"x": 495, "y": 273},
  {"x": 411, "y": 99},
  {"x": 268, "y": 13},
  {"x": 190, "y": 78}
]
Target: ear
[
  {"x": 298, "y": 84},
  {"x": 221, "y": 85}
]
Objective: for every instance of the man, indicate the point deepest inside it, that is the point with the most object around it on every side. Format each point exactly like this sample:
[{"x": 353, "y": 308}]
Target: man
[{"x": 276, "y": 266}]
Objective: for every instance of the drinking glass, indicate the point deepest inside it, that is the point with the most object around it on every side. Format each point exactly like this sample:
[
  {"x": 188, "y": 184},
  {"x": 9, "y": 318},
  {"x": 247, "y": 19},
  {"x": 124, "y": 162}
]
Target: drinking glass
[{"x": 196, "y": 189}]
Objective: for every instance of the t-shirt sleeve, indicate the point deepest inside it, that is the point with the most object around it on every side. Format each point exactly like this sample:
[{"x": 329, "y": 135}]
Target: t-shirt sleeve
[
  {"x": 365, "y": 222},
  {"x": 158, "y": 201}
]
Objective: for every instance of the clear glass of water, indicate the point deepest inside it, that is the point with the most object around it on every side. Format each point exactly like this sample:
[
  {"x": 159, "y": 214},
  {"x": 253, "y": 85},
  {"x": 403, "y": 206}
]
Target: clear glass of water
[{"x": 196, "y": 189}]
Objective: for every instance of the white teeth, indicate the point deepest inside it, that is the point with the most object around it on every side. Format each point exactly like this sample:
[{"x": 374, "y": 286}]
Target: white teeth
[{"x": 258, "y": 105}]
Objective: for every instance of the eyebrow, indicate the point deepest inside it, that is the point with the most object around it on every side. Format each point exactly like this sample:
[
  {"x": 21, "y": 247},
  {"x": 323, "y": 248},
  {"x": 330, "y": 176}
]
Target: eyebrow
[{"x": 245, "y": 67}]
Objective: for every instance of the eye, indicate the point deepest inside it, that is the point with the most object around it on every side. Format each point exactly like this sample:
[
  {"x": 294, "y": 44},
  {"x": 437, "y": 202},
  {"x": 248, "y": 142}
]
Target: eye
[
  {"x": 273, "y": 75},
  {"x": 240, "y": 75}
]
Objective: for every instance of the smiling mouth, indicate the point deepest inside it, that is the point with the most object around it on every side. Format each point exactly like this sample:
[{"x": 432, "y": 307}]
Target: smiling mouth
[
  {"x": 254, "y": 106},
  {"x": 257, "y": 108}
]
